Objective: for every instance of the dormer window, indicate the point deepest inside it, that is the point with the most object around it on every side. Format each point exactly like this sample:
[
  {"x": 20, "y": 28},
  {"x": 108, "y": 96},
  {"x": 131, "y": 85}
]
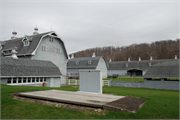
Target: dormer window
[
  {"x": 89, "y": 62},
  {"x": 8, "y": 52},
  {"x": 25, "y": 41},
  {"x": 77, "y": 62}
]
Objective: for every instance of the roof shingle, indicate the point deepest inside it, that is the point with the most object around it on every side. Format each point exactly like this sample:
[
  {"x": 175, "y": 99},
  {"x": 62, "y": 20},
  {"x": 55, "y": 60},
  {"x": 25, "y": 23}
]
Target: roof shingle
[{"x": 28, "y": 67}]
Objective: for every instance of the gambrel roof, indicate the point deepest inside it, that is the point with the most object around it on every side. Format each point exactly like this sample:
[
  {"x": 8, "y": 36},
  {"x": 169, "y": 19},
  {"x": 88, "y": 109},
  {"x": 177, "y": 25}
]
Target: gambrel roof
[
  {"x": 164, "y": 69},
  {"x": 143, "y": 64},
  {"x": 27, "y": 67},
  {"x": 83, "y": 62},
  {"x": 28, "y": 50}
]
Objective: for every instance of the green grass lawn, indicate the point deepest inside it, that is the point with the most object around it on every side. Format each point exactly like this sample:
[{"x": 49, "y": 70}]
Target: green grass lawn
[
  {"x": 162, "y": 104},
  {"x": 134, "y": 79}
]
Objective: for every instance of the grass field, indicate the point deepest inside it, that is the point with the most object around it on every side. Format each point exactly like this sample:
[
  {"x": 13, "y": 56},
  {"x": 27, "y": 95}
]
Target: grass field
[{"x": 162, "y": 104}]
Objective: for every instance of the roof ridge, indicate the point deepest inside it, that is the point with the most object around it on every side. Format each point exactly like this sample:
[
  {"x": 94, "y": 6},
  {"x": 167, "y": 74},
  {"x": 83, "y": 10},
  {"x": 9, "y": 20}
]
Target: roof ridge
[{"x": 26, "y": 35}]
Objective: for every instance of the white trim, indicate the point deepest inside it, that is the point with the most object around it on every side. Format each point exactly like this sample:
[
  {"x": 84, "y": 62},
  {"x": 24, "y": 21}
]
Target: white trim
[
  {"x": 25, "y": 42},
  {"x": 27, "y": 76},
  {"x": 26, "y": 83}
]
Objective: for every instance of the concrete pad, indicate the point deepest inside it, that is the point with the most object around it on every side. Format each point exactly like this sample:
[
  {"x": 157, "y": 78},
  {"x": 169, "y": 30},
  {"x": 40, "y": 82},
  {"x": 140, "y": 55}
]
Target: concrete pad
[{"x": 80, "y": 98}]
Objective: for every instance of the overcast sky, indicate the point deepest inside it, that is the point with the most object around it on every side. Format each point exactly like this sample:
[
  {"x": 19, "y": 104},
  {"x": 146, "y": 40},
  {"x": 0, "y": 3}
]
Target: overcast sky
[{"x": 84, "y": 24}]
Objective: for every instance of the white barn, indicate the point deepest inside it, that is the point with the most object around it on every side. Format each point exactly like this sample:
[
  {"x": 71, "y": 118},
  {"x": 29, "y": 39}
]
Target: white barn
[
  {"x": 38, "y": 46},
  {"x": 86, "y": 63}
]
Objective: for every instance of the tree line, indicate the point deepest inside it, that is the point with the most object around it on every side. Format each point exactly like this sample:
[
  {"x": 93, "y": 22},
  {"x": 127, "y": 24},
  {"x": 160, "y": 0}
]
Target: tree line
[{"x": 165, "y": 49}]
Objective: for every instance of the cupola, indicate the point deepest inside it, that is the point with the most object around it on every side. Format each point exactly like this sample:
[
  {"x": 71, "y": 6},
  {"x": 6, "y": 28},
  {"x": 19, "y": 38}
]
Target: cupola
[
  {"x": 94, "y": 55},
  {"x": 14, "y": 35},
  {"x": 36, "y": 31},
  {"x": 72, "y": 56}
]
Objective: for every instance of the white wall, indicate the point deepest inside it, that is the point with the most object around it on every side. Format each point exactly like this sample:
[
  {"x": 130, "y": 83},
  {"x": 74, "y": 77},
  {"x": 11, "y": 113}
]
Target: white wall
[
  {"x": 51, "y": 55},
  {"x": 102, "y": 66},
  {"x": 91, "y": 81}
]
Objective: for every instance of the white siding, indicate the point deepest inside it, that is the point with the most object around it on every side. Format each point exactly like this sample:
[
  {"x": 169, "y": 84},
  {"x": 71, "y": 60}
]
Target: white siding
[
  {"x": 91, "y": 81},
  {"x": 102, "y": 66}
]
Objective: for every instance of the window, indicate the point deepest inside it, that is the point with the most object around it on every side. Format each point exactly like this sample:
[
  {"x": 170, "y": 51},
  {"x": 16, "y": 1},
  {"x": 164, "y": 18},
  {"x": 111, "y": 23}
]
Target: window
[
  {"x": 19, "y": 80},
  {"x": 33, "y": 79},
  {"x": 51, "y": 39},
  {"x": 14, "y": 80},
  {"x": 24, "y": 80},
  {"x": 58, "y": 50},
  {"x": 9, "y": 80},
  {"x": 29, "y": 79},
  {"x": 89, "y": 62},
  {"x": 77, "y": 62},
  {"x": 43, "y": 48},
  {"x": 41, "y": 79},
  {"x": 26, "y": 42},
  {"x": 44, "y": 79},
  {"x": 37, "y": 79},
  {"x": 8, "y": 52}
]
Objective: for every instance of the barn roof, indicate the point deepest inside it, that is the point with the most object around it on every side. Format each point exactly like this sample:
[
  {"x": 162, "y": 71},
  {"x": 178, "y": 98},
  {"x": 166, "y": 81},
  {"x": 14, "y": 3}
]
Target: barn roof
[
  {"x": 26, "y": 50},
  {"x": 12, "y": 43},
  {"x": 164, "y": 69},
  {"x": 27, "y": 67},
  {"x": 143, "y": 64},
  {"x": 83, "y": 62}
]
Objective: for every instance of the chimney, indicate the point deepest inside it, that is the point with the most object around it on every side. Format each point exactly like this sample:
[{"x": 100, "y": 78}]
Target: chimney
[
  {"x": 72, "y": 56},
  {"x": 151, "y": 58},
  {"x": 14, "y": 35},
  {"x": 129, "y": 59},
  {"x": 94, "y": 55},
  {"x": 175, "y": 57},
  {"x": 110, "y": 60},
  {"x": 139, "y": 58},
  {"x": 36, "y": 31},
  {"x": 14, "y": 56}
]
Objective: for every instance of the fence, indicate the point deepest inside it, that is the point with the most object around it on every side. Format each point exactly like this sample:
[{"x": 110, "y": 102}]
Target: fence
[
  {"x": 72, "y": 82},
  {"x": 105, "y": 82},
  {"x": 76, "y": 82},
  {"x": 152, "y": 84}
]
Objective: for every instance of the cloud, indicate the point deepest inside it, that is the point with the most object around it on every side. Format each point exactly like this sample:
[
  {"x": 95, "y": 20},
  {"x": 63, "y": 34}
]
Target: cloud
[{"x": 84, "y": 25}]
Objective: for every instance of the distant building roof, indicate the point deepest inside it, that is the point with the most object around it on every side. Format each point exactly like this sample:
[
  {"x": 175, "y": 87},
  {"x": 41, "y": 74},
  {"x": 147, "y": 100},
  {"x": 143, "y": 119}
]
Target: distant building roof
[
  {"x": 27, "y": 67},
  {"x": 82, "y": 62},
  {"x": 164, "y": 69},
  {"x": 126, "y": 65},
  {"x": 25, "y": 50}
]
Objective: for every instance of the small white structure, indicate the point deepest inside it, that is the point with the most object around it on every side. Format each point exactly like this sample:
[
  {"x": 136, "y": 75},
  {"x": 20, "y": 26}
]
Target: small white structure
[
  {"x": 91, "y": 81},
  {"x": 94, "y": 55},
  {"x": 14, "y": 56}
]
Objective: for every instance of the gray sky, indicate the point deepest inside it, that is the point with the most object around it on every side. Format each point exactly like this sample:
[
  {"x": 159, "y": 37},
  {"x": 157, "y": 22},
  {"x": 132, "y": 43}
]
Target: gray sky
[{"x": 84, "y": 24}]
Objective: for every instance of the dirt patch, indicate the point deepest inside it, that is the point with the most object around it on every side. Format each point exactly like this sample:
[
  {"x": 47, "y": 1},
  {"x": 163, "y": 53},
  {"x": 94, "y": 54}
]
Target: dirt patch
[
  {"x": 127, "y": 104},
  {"x": 87, "y": 110}
]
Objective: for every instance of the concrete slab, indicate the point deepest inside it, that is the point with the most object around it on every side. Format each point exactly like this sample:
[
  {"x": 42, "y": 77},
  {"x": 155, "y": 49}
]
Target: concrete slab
[{"x": 80, "y": 98}]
